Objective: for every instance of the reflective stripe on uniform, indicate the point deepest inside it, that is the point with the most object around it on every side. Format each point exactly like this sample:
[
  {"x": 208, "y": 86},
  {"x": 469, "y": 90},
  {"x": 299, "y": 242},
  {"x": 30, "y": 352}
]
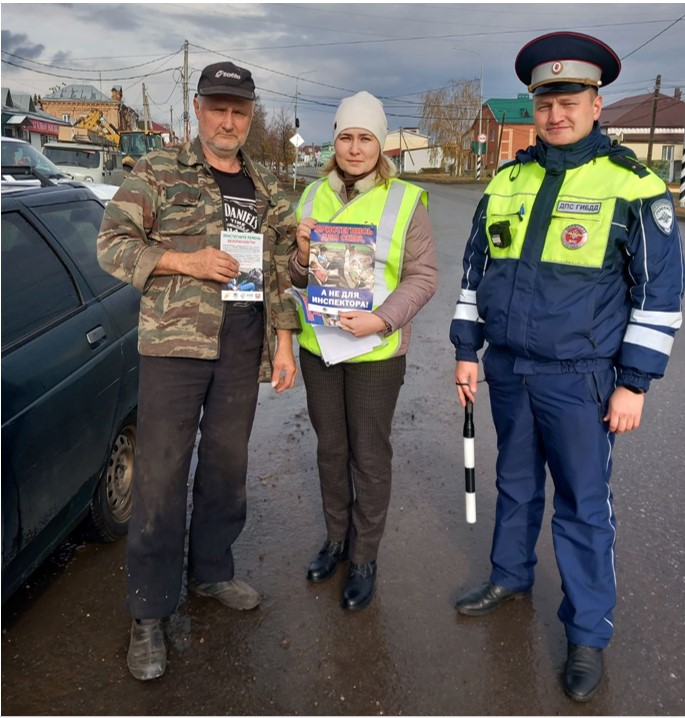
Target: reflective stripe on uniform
[
  {"x": 672, "y": 320},
  {"x": 649, "y": 338}
]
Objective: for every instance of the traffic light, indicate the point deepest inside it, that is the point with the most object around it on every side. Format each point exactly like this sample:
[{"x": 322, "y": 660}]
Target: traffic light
[{"x": 297, "y": 122}]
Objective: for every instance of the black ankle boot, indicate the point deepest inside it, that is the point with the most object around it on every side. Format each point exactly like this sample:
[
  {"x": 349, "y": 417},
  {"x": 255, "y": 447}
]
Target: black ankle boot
[
  {"x": 359, "y": 586},
  {"x": 326, "y": 562}
]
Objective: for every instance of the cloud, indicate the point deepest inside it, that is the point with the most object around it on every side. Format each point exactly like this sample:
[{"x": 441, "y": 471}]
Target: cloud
[
  {"x": 397, "y": 51},
  {"x": 17, "y": 45}
]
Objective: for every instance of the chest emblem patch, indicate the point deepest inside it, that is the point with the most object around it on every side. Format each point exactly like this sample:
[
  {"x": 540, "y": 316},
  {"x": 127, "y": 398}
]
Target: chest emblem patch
[
  {"x": 574, "y": 236},
  {"x": 662, "y": 211},
  {"x": 579, "y": 207}
]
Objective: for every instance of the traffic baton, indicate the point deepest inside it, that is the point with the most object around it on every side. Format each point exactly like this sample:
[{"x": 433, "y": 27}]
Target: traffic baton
[{"x": 470, "y": 463}]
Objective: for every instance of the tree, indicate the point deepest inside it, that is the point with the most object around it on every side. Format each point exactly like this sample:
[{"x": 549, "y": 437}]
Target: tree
[
  {"x": 56, "y": 88},
  {"x": 447, "y": 116},
  {"x": 281, "y": 130},
  {"x": 258, "y": 145}
]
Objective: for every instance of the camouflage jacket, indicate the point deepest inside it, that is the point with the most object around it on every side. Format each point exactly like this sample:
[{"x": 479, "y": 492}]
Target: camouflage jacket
[{"x": 171, "y": 201}]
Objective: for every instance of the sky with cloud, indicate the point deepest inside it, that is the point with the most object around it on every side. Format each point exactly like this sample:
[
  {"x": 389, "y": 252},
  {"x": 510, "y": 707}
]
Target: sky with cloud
[{"x": 323, "y": 52}]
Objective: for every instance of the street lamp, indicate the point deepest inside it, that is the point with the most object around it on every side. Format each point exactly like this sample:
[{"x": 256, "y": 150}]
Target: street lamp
[{"x": 297, "y": 124}]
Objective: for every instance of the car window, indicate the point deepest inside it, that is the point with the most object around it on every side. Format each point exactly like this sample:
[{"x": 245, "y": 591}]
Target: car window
[
  {"x": 36, "y": 287},
  {"x": 73, "y": 156},
  {"x": 24, "y": 154},
  {"x": 76, "y": 226}
]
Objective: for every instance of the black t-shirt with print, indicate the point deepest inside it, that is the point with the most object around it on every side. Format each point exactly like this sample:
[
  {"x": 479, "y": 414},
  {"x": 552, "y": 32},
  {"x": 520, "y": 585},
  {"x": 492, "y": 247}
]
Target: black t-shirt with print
[{"x": 239, "y": 206}]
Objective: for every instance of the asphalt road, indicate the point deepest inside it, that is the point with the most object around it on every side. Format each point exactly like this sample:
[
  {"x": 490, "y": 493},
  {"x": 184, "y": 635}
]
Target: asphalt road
[{"x": 65, "y": 636}]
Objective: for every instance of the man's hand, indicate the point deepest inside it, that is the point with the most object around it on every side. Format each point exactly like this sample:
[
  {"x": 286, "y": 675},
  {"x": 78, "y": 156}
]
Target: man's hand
[
  {"x": 208, "y": 263},
  {"x": 361, "y": 324},
  {"x": 284, "y": 369},
  {"x": 304, "y": 232},
  {"x": 466, "y": 380},
  {"x": 625, "y": 410}
]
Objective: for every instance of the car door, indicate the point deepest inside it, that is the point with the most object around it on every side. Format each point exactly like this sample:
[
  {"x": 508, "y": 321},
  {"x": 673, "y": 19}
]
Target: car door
[
  {"x": 114, "y": 169},
  {"x": 61, "y": 369}
]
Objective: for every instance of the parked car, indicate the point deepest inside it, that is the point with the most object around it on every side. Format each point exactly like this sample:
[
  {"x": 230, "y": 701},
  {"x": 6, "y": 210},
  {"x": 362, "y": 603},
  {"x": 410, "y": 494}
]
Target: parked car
[
  {"x": 86, "y": 162},
  {"x": 69, "y": 378},
  {"x": 18, "y": 155}
]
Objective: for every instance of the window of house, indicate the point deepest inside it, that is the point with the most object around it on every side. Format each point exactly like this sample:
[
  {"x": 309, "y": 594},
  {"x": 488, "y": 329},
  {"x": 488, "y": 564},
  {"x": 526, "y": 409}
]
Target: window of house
[
  {"x": 667, "y": 153},
  {"x": 66, "y": 118}
]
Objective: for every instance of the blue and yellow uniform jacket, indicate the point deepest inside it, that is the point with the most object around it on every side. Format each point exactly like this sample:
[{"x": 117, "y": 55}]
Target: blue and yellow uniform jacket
[{"x": 574, "y": 256}]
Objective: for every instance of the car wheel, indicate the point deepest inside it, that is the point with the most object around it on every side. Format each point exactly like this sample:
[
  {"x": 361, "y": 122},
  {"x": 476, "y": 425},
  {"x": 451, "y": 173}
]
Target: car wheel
[{"x": 111, "y": 506}]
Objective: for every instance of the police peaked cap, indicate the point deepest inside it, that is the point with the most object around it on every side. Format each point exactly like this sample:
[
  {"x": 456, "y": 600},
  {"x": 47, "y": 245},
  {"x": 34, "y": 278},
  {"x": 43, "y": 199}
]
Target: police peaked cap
[{"x": 566, "y": 62}]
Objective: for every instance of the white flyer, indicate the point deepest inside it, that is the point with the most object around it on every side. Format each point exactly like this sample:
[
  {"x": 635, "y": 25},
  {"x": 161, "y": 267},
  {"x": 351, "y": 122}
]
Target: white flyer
[{"x": 247, "y": 249}]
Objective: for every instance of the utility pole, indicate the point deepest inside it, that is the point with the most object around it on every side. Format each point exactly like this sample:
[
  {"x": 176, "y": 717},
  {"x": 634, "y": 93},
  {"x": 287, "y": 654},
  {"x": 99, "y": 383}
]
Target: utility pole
[
  {"x": 171, "y": 123},
  {"x": 297, "y": 149},
  {"x": 499, "y": 143},
  {"x": 146, "y": 112},
  {"x": 653, "y": 125},
  {"x": 186, "y": 112},
  {"x": 480, "y": 125},
  {"x": 682, "y": 176}
]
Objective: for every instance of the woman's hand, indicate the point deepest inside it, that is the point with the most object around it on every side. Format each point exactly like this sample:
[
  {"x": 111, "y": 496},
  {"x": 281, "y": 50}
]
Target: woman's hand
[
  {"x": 304, "y": 232},
  {"x": 361, "y": 324}
]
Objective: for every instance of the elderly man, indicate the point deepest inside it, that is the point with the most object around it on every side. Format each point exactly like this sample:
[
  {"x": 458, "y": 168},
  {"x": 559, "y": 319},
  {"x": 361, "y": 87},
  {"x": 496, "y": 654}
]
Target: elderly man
[
  {"x": 573, "y": 275},
  {"x": 201, "y": 357}
]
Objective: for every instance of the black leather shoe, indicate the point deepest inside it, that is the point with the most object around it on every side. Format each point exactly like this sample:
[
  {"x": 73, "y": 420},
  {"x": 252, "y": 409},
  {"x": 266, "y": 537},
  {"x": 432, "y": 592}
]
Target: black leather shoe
[
  {"x": 326, "y": 562},
  {"x": 485, "y": 599},
  {"x": 359, "y": 587},
  {"x": 583, "y": 672}
]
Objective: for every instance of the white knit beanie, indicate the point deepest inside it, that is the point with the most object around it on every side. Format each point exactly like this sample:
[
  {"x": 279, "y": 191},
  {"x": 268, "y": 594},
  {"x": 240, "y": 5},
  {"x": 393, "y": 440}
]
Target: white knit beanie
[{"x": 364, "y": 111}]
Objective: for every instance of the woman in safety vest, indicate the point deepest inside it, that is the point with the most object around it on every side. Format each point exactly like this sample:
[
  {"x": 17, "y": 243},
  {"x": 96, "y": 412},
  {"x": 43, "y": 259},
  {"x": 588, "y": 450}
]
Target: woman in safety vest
[{"x": 351, "y": 403}]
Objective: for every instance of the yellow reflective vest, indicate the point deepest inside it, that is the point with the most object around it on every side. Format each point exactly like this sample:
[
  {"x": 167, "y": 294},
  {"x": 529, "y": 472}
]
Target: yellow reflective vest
[{"x": 390, "y": 207}]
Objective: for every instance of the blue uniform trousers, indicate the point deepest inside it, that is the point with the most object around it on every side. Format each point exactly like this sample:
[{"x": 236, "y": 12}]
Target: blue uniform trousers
[{"x": 551, "y": 414}]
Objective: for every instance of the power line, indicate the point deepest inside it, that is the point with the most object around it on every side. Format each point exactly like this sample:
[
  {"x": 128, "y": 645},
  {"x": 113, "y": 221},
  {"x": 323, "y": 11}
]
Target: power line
[
  {"x": 653, "y": 38},
  {"x": 86, "y": 79},
  {"x": 450, "y": 36},
  {"x": 78, "y": 69}
]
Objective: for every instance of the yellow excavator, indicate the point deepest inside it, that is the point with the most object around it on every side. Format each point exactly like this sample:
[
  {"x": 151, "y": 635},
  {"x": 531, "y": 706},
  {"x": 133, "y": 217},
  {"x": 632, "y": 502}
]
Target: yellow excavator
[
  {"x": 135, "y": 143},
  {"x": 132, "y": 144}
]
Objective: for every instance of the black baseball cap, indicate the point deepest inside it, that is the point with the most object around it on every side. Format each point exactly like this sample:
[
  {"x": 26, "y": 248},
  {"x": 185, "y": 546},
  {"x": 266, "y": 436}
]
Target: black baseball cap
[
  {"x": 566, "y": 62},
  {"x": 225, "y": 78}
]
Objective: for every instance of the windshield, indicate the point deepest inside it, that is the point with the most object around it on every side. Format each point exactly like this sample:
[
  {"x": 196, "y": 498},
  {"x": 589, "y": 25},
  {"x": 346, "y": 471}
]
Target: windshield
[
  {"x": 154, "y": 142},
  {"x": 133, "y": 144},
  {"x": 137, "y": 144},
  {"x": 73, "y": 157},
  {"x": 23, "y": 154}
]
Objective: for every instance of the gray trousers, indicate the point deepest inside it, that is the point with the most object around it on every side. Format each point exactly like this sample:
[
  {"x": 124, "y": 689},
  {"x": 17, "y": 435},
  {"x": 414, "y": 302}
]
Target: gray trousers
[
  {"x": 173, "y": 393},
  {"x": 351, "y": 406}
]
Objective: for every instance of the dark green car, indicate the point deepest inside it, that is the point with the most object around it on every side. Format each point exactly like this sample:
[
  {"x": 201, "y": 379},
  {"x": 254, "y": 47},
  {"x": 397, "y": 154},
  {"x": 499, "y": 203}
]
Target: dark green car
[{"x": 69, "y": 378}]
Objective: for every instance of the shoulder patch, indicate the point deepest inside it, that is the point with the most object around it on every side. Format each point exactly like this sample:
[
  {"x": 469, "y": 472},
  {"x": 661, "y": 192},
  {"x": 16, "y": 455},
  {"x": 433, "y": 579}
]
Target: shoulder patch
[
  {"x": 630, "y": 163},
  {"x": 662, "y": 212}
]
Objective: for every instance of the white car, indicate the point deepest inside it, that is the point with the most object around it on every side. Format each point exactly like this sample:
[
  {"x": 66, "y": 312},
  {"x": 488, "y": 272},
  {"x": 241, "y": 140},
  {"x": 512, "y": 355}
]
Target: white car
[
  {"x": 104, "y": 192},
  {"x": 18, "y": 154}
]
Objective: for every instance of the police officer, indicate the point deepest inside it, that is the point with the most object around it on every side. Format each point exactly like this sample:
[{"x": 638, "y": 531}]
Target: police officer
[{"x": 573, "y": 275}]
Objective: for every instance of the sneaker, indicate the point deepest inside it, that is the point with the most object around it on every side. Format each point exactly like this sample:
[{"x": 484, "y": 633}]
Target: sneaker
[
  {"x": 234, "y": 594},
  {"x": 146, "y": 651}
]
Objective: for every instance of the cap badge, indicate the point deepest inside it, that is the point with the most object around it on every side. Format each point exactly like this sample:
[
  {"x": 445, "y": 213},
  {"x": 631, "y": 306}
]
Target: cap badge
[
  {"x": 574, "y": 236},
  {"x": 557, "y": 68}
]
